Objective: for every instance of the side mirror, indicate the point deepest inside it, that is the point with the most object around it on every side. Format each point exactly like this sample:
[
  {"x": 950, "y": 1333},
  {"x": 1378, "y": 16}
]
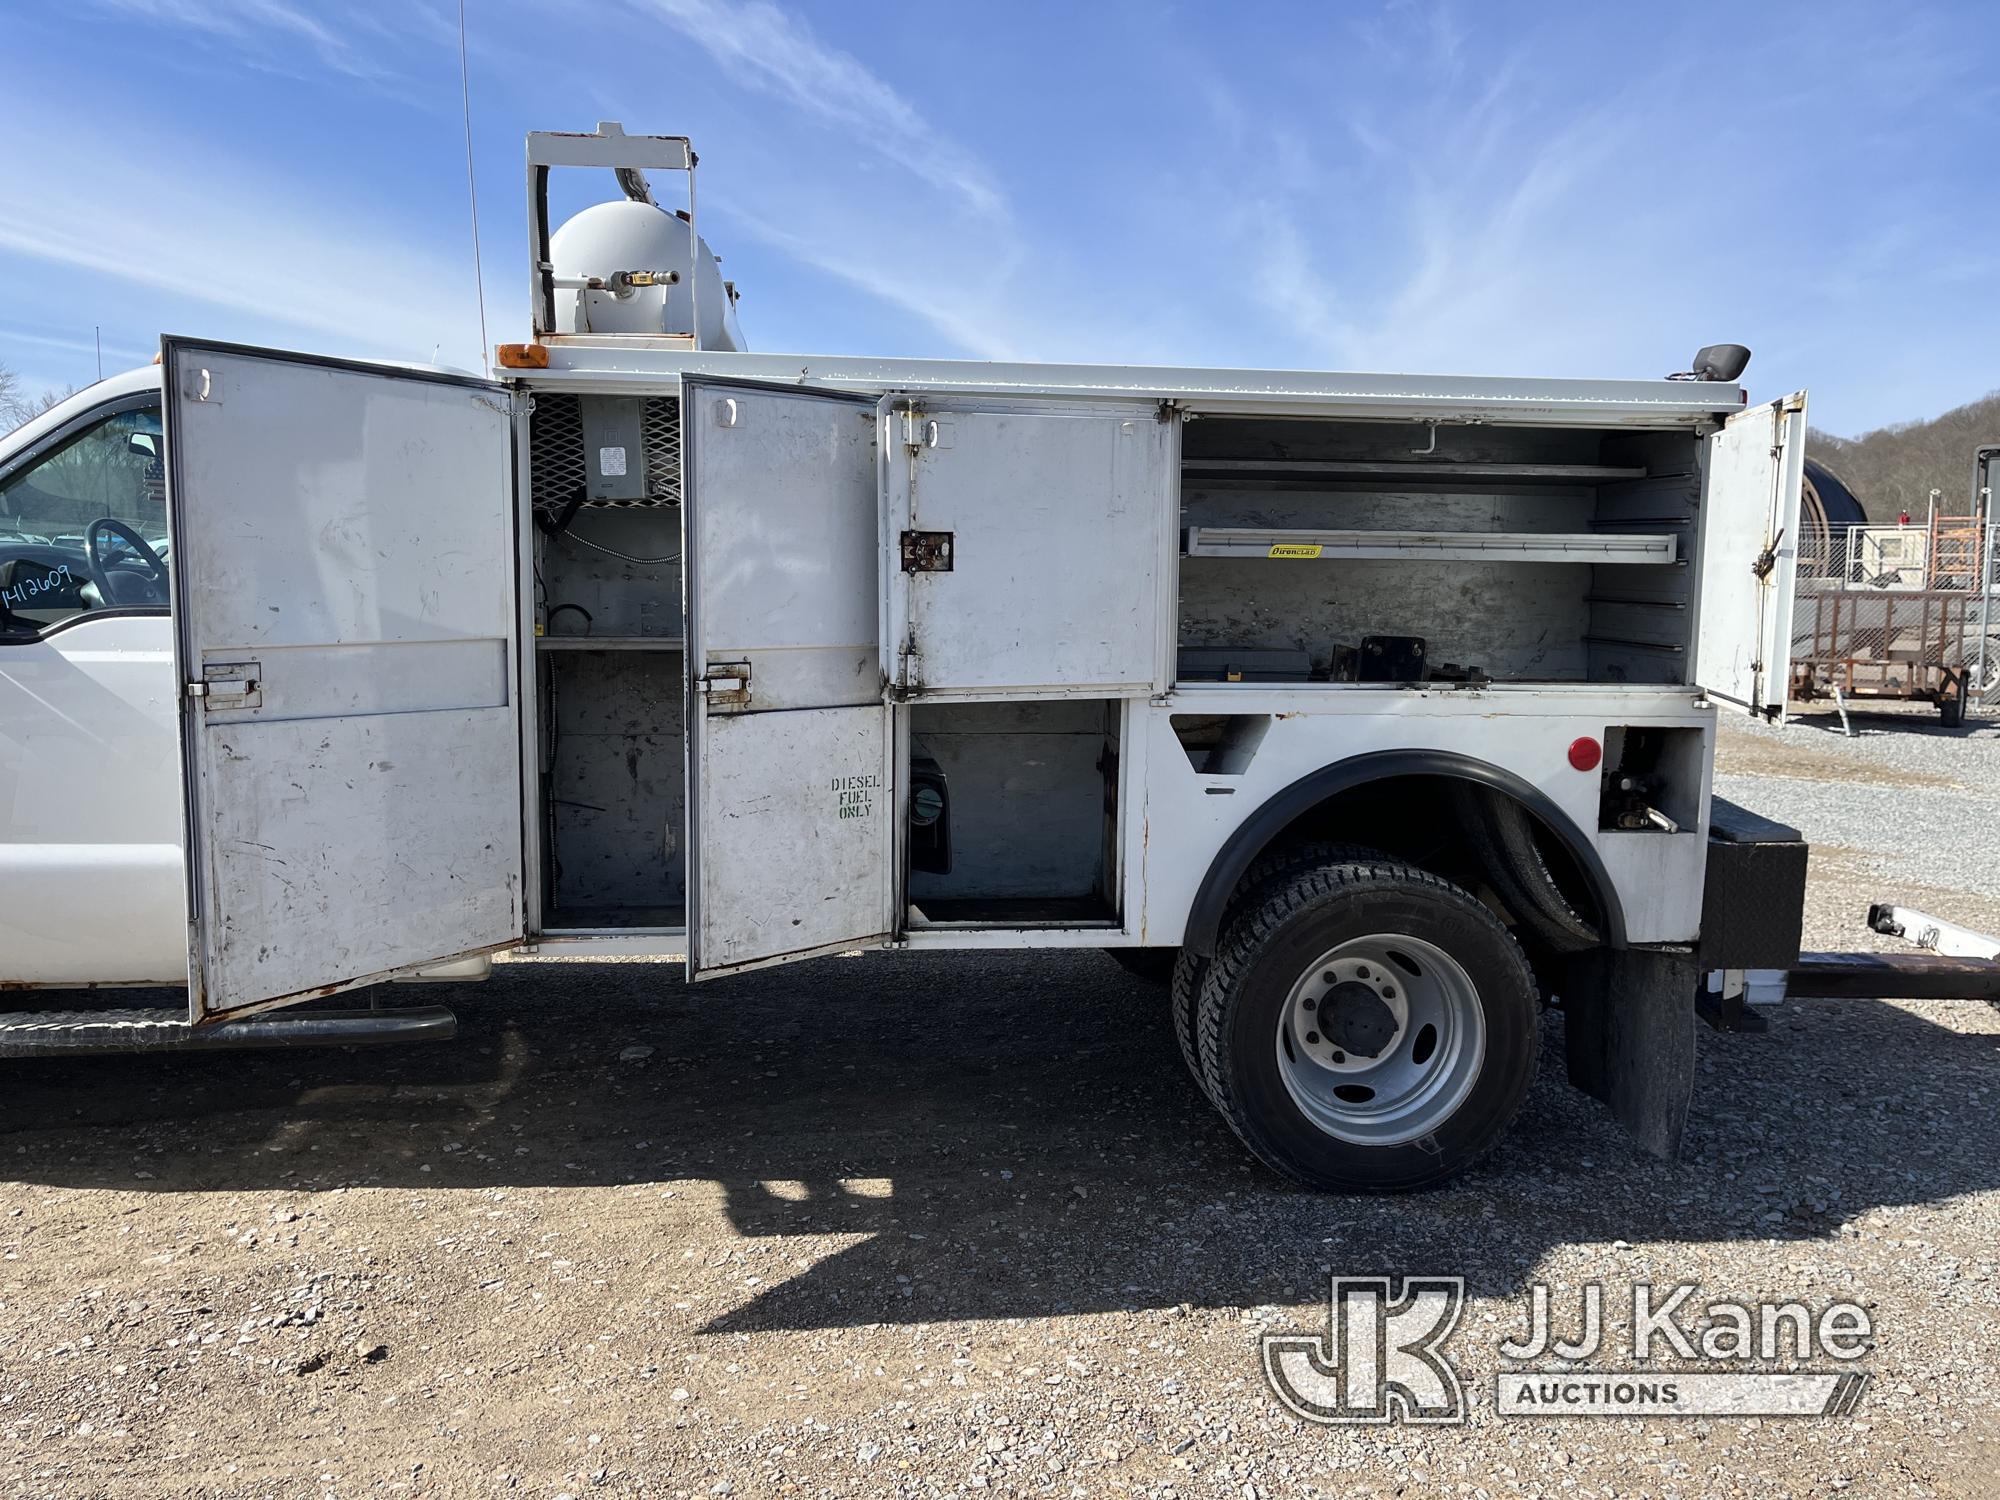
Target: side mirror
[
  {"x": 143, "y": 443},
  {"x": 1721, "y": 362}
]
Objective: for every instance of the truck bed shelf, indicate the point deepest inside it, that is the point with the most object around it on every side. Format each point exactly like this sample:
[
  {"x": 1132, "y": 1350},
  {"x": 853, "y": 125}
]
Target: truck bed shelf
[
  {"x": 1303, "y": 468},
  {"x": 1440, "y": 546},
  {"x": 608, "y": 643}
]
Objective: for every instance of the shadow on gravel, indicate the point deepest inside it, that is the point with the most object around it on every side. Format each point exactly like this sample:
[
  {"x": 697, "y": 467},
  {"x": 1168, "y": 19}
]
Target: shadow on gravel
[
  {"x": 1011, "y": 1135},
  {"x": 1916, "y": 719}
]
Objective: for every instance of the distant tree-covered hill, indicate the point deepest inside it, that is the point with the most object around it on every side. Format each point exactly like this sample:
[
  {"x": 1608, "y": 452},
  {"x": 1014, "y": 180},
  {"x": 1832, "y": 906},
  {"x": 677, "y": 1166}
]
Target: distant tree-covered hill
[{"x": 1896, "y": 468}]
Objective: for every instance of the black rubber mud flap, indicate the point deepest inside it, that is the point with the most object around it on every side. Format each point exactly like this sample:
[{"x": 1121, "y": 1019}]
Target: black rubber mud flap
[{"x": 1628, "y": 1019}]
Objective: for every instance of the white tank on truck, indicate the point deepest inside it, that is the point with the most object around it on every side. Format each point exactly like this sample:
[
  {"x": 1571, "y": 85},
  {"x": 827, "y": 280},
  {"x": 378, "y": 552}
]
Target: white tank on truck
[{"x": 632, "y": 267}]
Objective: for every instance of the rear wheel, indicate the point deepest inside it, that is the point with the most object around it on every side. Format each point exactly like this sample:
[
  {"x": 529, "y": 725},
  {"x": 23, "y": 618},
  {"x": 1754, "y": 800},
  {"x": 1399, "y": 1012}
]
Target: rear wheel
[
  {"x": 1367, "y": 1025},
  {"x": 1266, "y": 873}
]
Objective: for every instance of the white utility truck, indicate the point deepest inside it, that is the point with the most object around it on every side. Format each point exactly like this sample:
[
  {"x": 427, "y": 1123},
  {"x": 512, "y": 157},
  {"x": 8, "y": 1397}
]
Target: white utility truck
[{"x": 1379, "y": 710}]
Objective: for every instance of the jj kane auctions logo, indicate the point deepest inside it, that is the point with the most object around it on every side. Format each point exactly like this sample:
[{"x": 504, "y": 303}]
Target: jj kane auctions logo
[{"x": 1382, "y": 1356}]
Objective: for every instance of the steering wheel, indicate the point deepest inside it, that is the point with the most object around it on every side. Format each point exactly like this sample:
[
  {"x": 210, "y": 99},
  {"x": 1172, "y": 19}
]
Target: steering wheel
[{"x": 100, "y": 573}]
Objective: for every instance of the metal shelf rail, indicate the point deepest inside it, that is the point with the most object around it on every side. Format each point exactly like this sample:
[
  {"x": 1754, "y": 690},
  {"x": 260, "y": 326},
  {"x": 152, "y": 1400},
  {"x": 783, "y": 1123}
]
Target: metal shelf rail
[{"x": 1435, "y": 546}]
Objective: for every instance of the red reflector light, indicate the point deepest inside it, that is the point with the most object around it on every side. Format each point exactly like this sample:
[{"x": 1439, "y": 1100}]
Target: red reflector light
[{"x": 1585, "y": 753}]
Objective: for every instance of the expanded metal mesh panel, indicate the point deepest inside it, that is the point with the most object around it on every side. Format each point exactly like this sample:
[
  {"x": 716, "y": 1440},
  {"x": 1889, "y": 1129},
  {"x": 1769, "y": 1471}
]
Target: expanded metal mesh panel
[{"x": 555, "y": 445}]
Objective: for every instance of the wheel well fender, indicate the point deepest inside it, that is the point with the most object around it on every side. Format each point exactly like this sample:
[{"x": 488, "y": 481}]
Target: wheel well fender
[{"x": 1281, "y": 811}]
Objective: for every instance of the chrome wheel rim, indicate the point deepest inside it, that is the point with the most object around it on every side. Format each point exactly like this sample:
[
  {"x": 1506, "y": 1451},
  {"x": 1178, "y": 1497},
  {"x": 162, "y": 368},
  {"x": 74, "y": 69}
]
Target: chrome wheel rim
[{"x": 1381, "y": 1040}]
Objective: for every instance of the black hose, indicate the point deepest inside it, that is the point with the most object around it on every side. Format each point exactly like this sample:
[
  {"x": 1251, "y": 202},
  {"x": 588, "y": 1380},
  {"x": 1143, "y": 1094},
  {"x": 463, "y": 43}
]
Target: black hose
[{"x": 1505, "y": 839}]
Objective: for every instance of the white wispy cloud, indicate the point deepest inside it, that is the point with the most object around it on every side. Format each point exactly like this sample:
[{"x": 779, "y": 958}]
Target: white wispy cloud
[
  {"x": 1398, "y": 241},
  {"x": 1499, "y": 199},
  {"x": 262, "y": 26},
  {"x": 849, "y": 177},
  {"x": 770, "y": 49},
  {"x": 844, "y": 173},
  {"x": 257, "y": 246},
  {"x": 12, "y": 335}
]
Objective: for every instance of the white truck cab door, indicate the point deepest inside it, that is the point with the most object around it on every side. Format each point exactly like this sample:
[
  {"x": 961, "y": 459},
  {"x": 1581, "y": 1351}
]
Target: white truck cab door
[
  {"x": 344, "y": 590},
  {"x": 1752, "y": 473},
  {"x": 791, "y": 787}
]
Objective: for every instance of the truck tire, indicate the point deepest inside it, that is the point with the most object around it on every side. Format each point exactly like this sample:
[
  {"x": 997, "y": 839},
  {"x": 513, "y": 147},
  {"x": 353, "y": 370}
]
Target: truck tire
[
  {"x": 1951, "y": 711},
  {"x": 1266, "y": 872},
  {"x": 1430, "y": 1027}
]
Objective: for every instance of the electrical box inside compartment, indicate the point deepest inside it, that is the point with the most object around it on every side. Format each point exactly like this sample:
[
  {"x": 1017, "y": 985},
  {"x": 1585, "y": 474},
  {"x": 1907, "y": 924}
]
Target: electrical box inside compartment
[{"x": 1345, "y": 551}]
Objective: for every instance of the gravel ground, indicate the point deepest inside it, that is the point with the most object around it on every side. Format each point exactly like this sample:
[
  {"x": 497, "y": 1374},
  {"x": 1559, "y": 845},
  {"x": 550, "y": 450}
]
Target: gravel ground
[
  {"x": 1904, "y": 808},
  {"x": 957, "y": 1223}
]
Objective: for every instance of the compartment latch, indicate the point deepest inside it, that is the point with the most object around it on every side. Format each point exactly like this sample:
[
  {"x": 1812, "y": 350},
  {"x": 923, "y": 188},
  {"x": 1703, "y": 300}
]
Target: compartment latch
[
  {"x": 235, "y": 684},
  {"x": 726, "y": 684},
  {"x": 927, "y": 551}
]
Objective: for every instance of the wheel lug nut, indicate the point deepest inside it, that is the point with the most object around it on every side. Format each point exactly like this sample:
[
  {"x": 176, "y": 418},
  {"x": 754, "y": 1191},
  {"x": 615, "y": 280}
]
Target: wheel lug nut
[
  {"x": 1361, "y": 972},
  {"x": 1312, "y": 1038},
  {"x": 1309, "y": 1003},
  {"x": 1340, "y": 1056},
  {"x": 1388, "y": 992}
]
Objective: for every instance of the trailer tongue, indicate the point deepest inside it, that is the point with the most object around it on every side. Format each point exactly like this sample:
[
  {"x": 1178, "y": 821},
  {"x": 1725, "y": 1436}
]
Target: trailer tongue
[{"x": 1950, "y": 963}]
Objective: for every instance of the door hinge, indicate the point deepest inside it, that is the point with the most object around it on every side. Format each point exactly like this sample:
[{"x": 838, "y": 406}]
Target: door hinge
[
  {"x": 1768, "y": 558},
  {"x": 726, "y": 684},
  {"x": 927, "y": 551}
]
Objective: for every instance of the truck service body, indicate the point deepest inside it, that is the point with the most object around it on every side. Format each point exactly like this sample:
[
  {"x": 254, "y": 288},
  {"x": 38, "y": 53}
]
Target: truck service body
[{"x": 1377, "y": 706}]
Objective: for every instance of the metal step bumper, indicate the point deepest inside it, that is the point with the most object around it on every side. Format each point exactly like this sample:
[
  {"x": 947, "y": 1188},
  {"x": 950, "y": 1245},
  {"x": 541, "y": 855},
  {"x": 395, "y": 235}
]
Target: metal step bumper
[{"x": 86, "y": 1032}]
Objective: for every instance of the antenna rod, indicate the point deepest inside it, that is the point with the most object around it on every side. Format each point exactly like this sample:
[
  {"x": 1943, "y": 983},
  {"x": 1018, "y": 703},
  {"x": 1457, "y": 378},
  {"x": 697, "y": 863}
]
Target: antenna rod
[{"x": 472, "y": 188}]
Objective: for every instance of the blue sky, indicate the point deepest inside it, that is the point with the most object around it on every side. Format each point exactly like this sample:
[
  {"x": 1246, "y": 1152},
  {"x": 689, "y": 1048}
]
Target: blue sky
[{"x": 1538, "y": 189}]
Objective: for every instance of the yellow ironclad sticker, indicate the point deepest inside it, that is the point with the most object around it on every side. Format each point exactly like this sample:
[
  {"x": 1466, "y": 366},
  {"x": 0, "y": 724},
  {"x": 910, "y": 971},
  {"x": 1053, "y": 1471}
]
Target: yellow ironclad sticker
[{"x": 1293, "y": 549}]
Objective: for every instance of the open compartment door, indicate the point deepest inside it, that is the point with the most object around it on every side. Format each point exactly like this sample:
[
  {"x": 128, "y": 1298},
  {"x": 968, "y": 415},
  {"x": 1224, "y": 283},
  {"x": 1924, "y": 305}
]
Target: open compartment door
[
  {"x": 346, "y": 634},
  {"x": 791, "y": 786},
  {"x": 1033, "y": 543},
  {"x": 1749, "y": 555}
]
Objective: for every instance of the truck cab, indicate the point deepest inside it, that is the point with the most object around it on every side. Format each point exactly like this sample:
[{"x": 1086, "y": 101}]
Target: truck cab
[
  {"x": 648, "y": 645},
  {"x": 90, "y": 827}
]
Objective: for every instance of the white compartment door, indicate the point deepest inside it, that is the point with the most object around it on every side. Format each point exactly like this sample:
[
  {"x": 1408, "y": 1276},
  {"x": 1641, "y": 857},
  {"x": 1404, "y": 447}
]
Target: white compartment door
[
  {"x": 1030, "y": 546},
  {"x": 790, "y": 788},
  {"x": 1749, "y": 555},
  {"x": 343, "y": 573}
]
